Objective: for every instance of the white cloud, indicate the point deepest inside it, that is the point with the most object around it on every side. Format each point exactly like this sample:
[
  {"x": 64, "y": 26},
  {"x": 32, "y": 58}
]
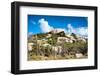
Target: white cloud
[
  {"x": 82, "y": 31},
  {"x": 79, "y": 31},
  {"x": 33, "y": 22},
  {"x": 45, "y": 27},
  {"x": 71, "y": 29},
  {"x": 61, "y": 29},
  {"x": 69, "y": 26},
  {"x": 30, "y": 33}
]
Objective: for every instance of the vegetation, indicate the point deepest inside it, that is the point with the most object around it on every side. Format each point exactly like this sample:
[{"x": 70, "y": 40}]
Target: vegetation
[
  {"x": 74, "y": 35},
  {"x": 65, "y": 50}
]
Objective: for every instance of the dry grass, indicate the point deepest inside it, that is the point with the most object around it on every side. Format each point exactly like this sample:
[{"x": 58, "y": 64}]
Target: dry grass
[{"x": 51, "y": 57}]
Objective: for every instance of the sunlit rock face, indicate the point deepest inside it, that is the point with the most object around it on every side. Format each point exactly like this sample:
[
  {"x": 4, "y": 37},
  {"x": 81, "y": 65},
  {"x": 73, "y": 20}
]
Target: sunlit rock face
[{"x": 30, "y": 46}]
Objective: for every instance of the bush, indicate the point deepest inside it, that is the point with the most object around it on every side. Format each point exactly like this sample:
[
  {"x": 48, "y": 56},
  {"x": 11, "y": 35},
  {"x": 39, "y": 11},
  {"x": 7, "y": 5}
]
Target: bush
[{"x": 79, "y": 47}]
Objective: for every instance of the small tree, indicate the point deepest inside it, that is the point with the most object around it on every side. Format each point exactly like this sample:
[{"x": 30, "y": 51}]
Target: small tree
[{"x": 74, "y": 35}]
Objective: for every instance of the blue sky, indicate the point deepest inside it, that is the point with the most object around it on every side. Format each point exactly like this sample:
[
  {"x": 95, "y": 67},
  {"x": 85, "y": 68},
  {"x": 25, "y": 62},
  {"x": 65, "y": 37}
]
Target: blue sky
[{"x": 44, "y": 23}]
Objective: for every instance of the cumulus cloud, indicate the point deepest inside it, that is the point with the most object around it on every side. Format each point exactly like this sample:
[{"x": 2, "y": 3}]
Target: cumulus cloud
[
  {"x": 79, "y": 31},
  {"x": 70, "y": 26},
  {"x": 45, "y": 27},
  {"x": 71, "y": 29},
  {"x": 82, "y": 31}
]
